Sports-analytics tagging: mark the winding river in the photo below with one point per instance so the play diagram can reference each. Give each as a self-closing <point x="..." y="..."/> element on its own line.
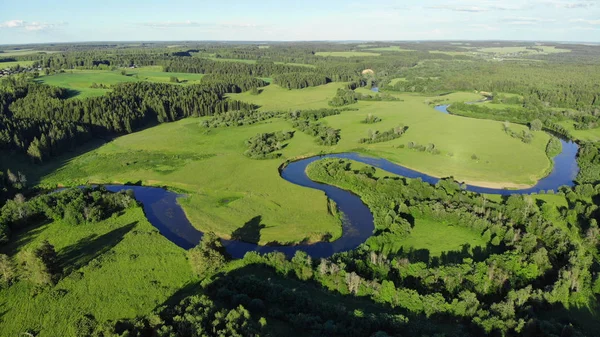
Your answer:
<point x="164" y="213"/>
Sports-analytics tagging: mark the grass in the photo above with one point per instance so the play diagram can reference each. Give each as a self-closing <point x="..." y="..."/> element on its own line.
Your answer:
<point x="118" y="268"/>
<point x="591" y="135"/>
<point x="345" y="54"/>
<point x="4" y="65"/>
<point x="393" y="81"/>
<point x="438" y="237"/>
<point x="79" y="81"/>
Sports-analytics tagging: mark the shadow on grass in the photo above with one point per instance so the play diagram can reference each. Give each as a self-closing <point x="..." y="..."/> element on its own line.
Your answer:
<point x="87" y="249"/>
<point x="23" y="236"/>
<point x="250" y="232"/>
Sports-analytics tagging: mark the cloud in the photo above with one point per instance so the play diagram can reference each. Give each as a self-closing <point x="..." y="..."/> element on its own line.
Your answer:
<point x="481" y="26"/>
<point x="569" y="4"/>
<point x="470" y="9"/>
<point x="30" y="26"/>
<point x="591" y="22"/>
<point x="523" y="20"/>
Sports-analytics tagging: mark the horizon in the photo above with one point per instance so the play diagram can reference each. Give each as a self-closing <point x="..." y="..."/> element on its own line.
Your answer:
<point x="382" y="20"/>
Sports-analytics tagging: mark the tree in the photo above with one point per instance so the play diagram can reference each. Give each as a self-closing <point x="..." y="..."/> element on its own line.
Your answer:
<point x="41" y="265"/>
<point x="7" y="270"/>
<point x="536" y="125"/>
<point x="207" y="257"/>
<point x="173" y="79"/>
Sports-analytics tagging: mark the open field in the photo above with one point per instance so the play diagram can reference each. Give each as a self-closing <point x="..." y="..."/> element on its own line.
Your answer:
<point x="591" y="135"/>
<point x="114" y="269"/>
<point x="438" y="237"/>
<point x="80" y="80"/>
<point x="345" y="53"/>
<point x="223" y="202"/>
<point x="4" y="65"/>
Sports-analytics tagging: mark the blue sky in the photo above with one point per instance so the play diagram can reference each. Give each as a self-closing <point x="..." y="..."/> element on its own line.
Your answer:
<point x="69" y="20"/>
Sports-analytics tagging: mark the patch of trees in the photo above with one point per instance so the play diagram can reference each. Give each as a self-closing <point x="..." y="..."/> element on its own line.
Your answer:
<point x="37" y="120"/>
<point x="525" y="136"/>
<point x="238" y="118"/>
<point x="554" y="147"/>
<point x="430" y="148"/>
<point x="346" y="96"/>
<point x="324" y="134"/>
<point x="377" y="136"/>
<point x="531" y="262"/>
<point x="371" y="119"/>
<point x="265" y="145"/>
<point x="206" y="66"/>
<point x="588" y="159"/>
<point x="300" y="80"/>
<point x="73" y="206"/>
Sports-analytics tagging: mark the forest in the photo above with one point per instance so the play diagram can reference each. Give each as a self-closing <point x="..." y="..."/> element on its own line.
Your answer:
<point x="158" y="189"/>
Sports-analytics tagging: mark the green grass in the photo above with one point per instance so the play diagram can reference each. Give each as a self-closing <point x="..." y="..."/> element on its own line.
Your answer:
<point x="118" y="268"/>
<point x="210" y="166"/>
<point x="80" y="80"/>
<point x="345" y="53"/>
<point x="393" y="81"/>
<point x="438" y="237"/>
<point x="4" y="65"/>
<point x="297" y="64"/>
<point x="590" y="135"/>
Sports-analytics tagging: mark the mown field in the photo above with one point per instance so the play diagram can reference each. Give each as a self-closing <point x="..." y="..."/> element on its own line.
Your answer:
<point x="80" y="81"/>
<point x="226" y="189"/>
<point x="118" y="268"/>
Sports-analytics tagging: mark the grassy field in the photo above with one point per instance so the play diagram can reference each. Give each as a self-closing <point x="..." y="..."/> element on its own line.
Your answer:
<point x="119" y="268"/>
<point x="438" y="237"/>
<point x="591" y="135"/>
<point x="185" y="155"/>
<point x="345" y="53"/>
<point x="79" y="81"/>
<point x="4" y="65"/>
<point x="393" y="81"/>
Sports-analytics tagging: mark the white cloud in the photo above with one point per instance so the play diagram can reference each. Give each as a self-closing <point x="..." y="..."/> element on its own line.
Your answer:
<point x="30" y="26"/>
<point x="524" y="20"/>
<point x="574" y="4"/>
<point x="591" y="22"/>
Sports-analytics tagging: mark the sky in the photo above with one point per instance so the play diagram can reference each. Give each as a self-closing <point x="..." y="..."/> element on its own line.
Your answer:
<point x="40" y="21"/>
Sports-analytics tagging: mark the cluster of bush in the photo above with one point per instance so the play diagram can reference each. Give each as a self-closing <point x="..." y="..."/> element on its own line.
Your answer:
<point x="371" y="119"/>
<point x="525" y="136"/>
<point x="238" y="118"/>
<point x="264" y="145"/>
<point x="430" y="148"/>
<point x="324" y="134"/>
<point x="377" y="136"/>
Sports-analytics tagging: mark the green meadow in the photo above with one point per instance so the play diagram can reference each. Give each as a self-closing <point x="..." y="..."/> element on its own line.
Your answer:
<point x="390" y="48"/>
<point x="4" y="65"/>
<point x="80" y="81"/>
<point x="186" y="156"/>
